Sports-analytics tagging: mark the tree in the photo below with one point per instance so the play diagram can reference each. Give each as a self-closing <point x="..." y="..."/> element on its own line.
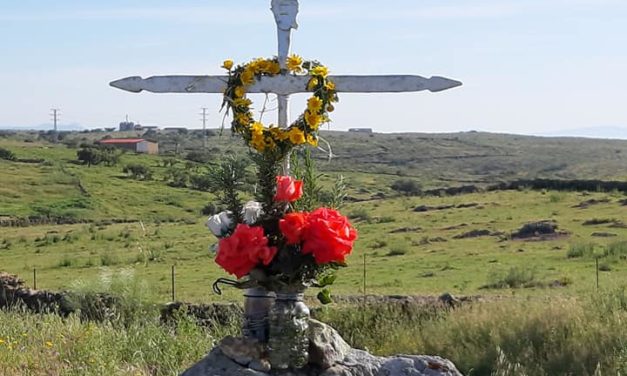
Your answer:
<point x="96" y="154"/>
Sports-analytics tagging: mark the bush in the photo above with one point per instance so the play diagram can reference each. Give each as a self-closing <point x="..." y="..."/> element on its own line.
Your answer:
<point x="7" y="154"/>
<point x="407" y="186"/>
<point x="138" y="171"/>
<point x="199" y="156"/>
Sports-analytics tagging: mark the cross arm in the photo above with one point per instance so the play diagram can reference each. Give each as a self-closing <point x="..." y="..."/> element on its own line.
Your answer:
<point x="285" y="84"/>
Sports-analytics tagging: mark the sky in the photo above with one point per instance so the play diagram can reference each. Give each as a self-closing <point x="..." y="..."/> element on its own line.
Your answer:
<point x="528" y="66"/>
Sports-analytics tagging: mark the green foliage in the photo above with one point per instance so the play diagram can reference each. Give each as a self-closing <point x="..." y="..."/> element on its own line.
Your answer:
<point x="7" y="154"/>
<point x="514" y="277"/>
<point x="176" y="177"/>
<point x="580" y="250"/>
<point x="407" y="187"/>
<point x="138" y="171"/>
<point x="97" y="154"/>
<point x="226" y="180"/>
<point x="199" y="156"/>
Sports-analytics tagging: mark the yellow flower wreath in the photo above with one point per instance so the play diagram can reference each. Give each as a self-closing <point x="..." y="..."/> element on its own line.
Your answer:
<point x="274" y="139"/>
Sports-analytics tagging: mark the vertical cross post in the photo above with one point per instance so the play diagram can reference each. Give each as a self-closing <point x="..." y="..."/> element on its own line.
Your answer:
<point x="285" y="12"/>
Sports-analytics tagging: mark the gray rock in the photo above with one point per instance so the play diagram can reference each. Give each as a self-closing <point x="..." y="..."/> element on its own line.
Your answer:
<point x="356" y="363"/>
<point x="261" y="365"/>
<point x="326" y="346"/>
<point x="241" y="350"/>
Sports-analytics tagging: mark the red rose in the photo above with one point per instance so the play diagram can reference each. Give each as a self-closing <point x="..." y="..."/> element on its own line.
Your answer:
<point x="288" y="189"/>
<point x="246" y="248"/>
<point x="292" y="226"/>
<point x="328" y="235"/>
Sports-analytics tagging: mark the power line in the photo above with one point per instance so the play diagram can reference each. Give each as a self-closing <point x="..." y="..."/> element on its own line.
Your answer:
<point x="204" y="127"/>
<point x="55" y="117"/>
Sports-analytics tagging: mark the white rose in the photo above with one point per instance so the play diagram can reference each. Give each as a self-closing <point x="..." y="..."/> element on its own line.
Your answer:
<point x="220" y="223"/>
<point x="251" y="212"/>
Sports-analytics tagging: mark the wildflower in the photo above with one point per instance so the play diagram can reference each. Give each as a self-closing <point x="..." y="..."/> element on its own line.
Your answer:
<point x="248" y="76"/>
<point x="314" y="104"/>
<point x="239" y="92"/>
<point x="312" y="83"/>
<point x="48" y="344"/>
<point x="297" y="136"/>
<point x="320" y="70"/>
<point x="329" y="85"/>
<point x="228" y="64"/>
<point x="312" y="119"/>
<point x="294" y="63"/>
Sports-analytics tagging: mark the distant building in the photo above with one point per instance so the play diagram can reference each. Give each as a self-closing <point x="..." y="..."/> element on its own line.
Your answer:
<point x="148" y="128"/>
<point x="127" y="126"/>
<point x="136" y="145"/>
<point x="361" y="130"/>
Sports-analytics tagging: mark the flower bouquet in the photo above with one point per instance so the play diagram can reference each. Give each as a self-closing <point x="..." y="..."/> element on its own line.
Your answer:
<point x="284" y="241"/>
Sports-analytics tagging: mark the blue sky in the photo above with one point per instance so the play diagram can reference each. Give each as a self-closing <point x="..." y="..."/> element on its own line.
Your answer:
<point x="528" y="66"/>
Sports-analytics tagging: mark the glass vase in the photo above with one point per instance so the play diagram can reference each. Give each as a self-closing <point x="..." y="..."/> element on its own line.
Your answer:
<point x="257" y="305"/>
<point x="288" y="344"/>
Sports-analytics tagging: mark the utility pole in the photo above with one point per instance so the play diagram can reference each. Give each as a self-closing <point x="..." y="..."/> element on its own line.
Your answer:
<point x="55" y="117"/>
<point x="204" y="127"/>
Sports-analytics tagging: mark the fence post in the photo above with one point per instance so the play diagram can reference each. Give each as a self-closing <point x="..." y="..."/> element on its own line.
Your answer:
<point x="596" y="259"/>
<point x="34" y="278"/>
<point x="173" y="295"/>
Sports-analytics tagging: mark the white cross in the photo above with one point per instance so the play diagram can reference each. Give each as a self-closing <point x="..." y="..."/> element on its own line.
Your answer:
<point x="285" y="12"/>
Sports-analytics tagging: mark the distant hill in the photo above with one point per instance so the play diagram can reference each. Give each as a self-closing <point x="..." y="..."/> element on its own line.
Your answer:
<point x="592" y="132"/>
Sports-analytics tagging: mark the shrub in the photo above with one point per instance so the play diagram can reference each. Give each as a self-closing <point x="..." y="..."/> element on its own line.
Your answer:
<point x="7" y="154"/>
<point x="360" y="214"/>
<point x="407" y="186"/>
<point x="138" y="171"/>
<point x="397" y="252"/>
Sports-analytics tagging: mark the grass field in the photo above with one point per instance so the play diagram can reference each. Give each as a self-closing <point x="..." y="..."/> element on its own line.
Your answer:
<point x="547" y="316"/>
<point x="406" y="252"/>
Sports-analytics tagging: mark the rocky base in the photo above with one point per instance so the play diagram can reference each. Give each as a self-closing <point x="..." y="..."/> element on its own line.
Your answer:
<point x="355" y="363"/>
<point x="329" y="355"/>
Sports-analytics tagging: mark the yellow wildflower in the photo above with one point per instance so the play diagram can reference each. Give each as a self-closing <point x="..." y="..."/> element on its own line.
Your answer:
<point x="242" y="118"/>
<point x="256" y="128"/>
<point x="270" y="144"/>
<point x="273" y="67"/>
<point x="242" y="102"/>
<point x="239" y="91"/>
<point x="48" y="344"/>
<point x="330" y="85"/>
<point x="297" y="136"/>
<point x="258" y="141"/>
<point x="320" y="70"/>
<point x="330" y="108"/>
<point x="228" y="64"/>
<point x="312" y="83"/>
<point x="311" y="140"/>
<point x="314" y="104"/>
<point x="294" y="63"/>
<point x="312" y="119"/>
<point x="1" y="341"/>
<point x="247" y="76"/>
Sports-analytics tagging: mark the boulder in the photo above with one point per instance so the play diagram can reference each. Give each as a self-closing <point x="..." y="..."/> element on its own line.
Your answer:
<point x="355" y="363"/>
<point x="326" y="346"/>
<point x="329" y="355"/>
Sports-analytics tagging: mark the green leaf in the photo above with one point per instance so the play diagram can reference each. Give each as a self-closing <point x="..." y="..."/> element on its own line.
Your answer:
<point x="324" y="296"/>
<point x="327" y="280"/>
